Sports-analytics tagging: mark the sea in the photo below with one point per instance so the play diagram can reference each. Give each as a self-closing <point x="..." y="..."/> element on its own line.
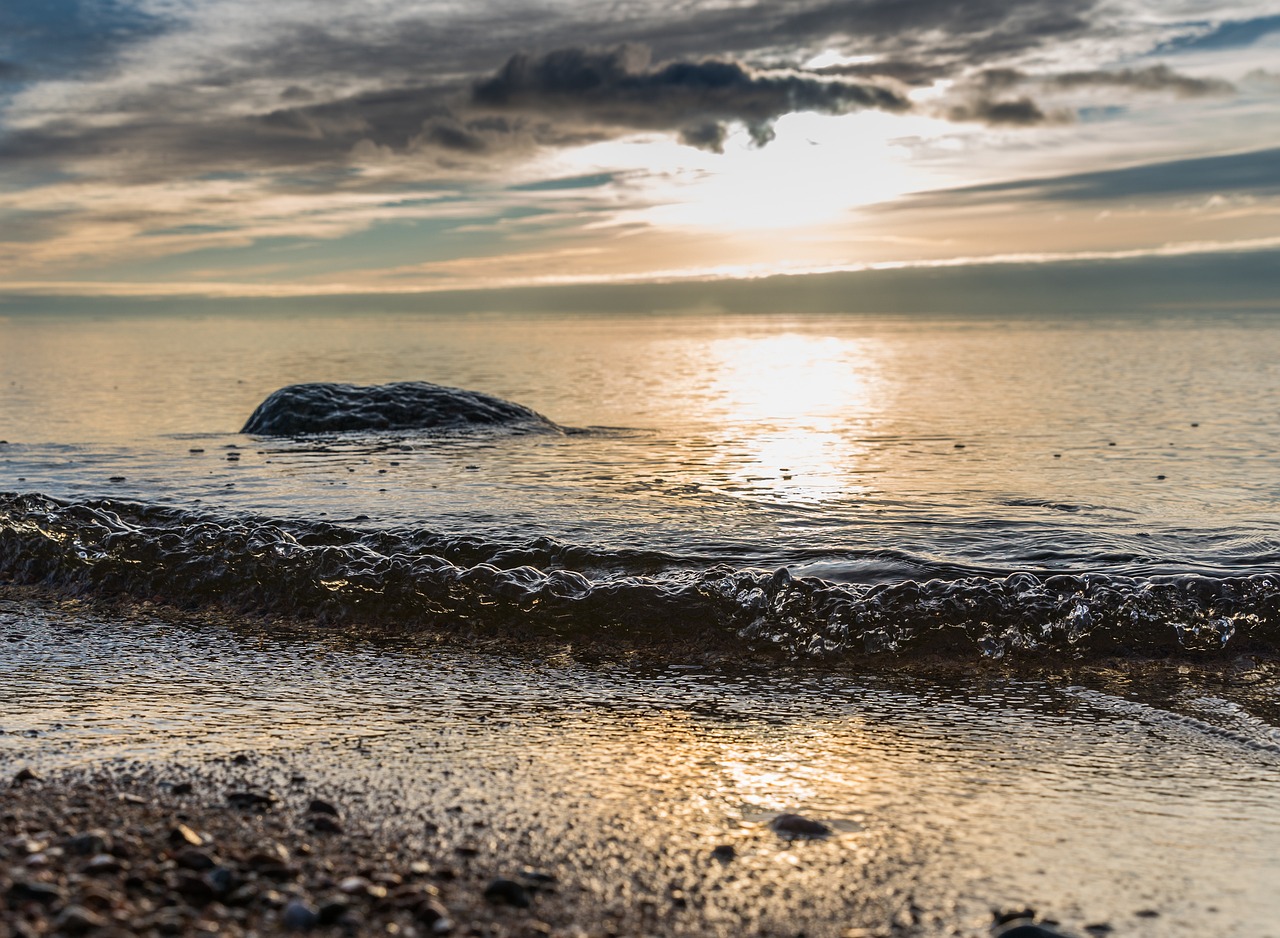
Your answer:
<point x="994" y="597"/>
<point x="824" y="487"/>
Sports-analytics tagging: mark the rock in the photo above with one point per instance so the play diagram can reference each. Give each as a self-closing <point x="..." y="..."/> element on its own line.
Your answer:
<point x="38" y="892"/>
<point x="324" y="824"/>
<point x="1025" y="929"/>
<point x="795" y="825"/>
<point x="221" y="880"/>
<point x="104" y="864"/>
<point x="76" y="920"/>
<point x="24" y="776"/>
<point x="86" y="844"/>
<point x="198" y="860"/>
<point x="299" y="916"/>
<point x="320" y="806"/>
<point x="406" y="405"/>
<point x="332" y="911"/>
<point x="507" y="892"/>
<point x="182" y="788"/>
<point x="185" y="835"/>
<point x="251" y="800"/>
<point x="724" y="852"/>
<point x="431" y="913"/>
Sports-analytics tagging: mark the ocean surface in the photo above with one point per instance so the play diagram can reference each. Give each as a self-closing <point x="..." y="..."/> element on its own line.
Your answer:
<point x="869" y="487"/>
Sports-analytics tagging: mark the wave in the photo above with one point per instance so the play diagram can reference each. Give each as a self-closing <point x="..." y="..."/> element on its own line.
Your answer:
<point x="404" y="405"/>
<point x="331" y="574"/>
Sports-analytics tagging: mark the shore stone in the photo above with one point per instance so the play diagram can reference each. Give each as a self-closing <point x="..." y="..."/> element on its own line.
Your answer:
<point x="507" y="892"/>
<point x="795" y="825"/>
<point x="299" y="916"/>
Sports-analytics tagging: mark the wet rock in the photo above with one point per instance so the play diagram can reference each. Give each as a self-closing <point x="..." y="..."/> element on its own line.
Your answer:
<point x="299" y="916"/>
<point x="507" y="892"/>
<point x="795" y="825"/>
<point x="76" y="920"/>
<point x="406" y="405"/>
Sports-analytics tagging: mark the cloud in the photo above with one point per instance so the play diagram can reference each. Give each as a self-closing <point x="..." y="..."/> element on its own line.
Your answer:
<point x="1256" y="172"/>
<point x="1016" y="112"/>
<point x="1154" y="78"/>
<point x="619" y="88"/>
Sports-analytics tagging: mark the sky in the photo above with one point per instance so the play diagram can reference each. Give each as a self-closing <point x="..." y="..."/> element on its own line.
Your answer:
<point x="236" y="148"/>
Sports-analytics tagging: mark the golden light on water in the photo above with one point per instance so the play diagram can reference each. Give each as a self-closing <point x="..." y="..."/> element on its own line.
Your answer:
<point x="796" y="405"/>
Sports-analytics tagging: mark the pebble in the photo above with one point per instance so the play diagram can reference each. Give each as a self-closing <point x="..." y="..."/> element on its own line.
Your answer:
<point x="76" y="920"/>
<point x="299" y="916"/>
<point x="507" y="892"/>
<point x="324" y="824"/>
<point x="103" y="864"/>
<point x="252" y="800"/>
<point x="1023" y="929"/>
<point x="24" y="776"/>
<point x="320" y="806"/>
<point x="193" y="859"/>
<point x="185" y="835"/>
<point x="87" y="844"/>
<point x="724" y="852"/>
<point x="795" y="825"/>
<point x="43" y="893"/>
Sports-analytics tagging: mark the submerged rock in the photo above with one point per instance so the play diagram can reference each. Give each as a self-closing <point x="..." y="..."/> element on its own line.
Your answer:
<point x="404" y="405"/>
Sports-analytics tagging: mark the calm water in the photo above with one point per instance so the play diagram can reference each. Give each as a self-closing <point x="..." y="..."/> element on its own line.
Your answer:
<point x="854" y="453"/>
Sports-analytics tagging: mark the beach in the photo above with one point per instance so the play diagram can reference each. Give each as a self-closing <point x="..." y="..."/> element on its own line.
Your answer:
<point x="365" y="784"/>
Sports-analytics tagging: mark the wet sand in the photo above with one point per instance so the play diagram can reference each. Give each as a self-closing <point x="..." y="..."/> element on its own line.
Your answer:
<point x="616" y="795"/>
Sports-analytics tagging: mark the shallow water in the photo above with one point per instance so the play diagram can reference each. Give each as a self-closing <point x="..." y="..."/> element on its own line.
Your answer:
<point x="1090" y="804"/>
<point x="853" y="452"/>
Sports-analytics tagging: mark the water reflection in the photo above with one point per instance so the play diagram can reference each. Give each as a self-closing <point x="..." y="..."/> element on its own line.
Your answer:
<point x="797" y="408"/>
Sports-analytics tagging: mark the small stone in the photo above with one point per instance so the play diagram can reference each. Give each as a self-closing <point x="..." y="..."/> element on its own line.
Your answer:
<point x="87" y="844"/>
<point x="354" y="886"/>
<point x="1015" y="915"/>
<point x="221" y="880"/>
<point x="24" y="776"/>
<point x="76" y="920"/>
<point x="182" y="788"/>
<point x="724" y="852"/>
<point x="42" y="893"/>
<point x="251" y="800"/>
<point x="430" y="912"/>
<point x="299" y="916"/>
<point x="324" y="824"/>
<point x="331" y="912"/>
<point x="795" y="825"/>
<point x="1147" y="913"/>
<point x="104" y="864"/>
<point x="320" y="806"/>
<point x="507" y="892"/>
<point x="129" y="798"/>
<point x="1025" y="929"/>
<point x="185" y="835"/>
<point x="198" y="860"/>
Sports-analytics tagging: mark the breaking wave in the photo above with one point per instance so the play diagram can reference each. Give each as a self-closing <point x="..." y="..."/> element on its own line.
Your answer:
<point x="405" y="578"/>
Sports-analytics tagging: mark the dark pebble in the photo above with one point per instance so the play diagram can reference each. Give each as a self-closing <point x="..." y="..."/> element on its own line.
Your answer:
<point x="193" y="859"/>
<point x="320" y="806"/>
<point x="959" y="446"/>
<point x="43" y="893"/>
<point x="794" y="825"/>
<point x="86" y="845"/>
<point x="182" y="788"/>
<point x="507" y="892"/>
<point x="324" y="824"/>
<point x="1029" y="930"/>
<point x="24" y="776"/>
<point x="1099" y="928"/>
<point x="1147" y="913"/>
<point x="299" y="916"/>
<point x="221" y="880"/>
<point x="1159" y="477"/>
<point x="116" y="479"/>
<point x="195" y="449"/>
<point x="1015" y="915"/>
<point x="724" y="852"/>
<point x="253" y="800"/>
<point x="537" y="877"/>
<point x="432" y="914"/>
<point x="76" y="920"/>
<point x="332" y="911"/>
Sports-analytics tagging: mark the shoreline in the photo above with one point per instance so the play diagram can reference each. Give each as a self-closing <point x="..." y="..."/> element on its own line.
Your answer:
<point x="642" y="792"/>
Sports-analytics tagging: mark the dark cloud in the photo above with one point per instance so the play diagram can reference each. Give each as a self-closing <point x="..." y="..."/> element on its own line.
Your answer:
<point x="618" y="87"/>
<point x="1015" y="112"/>
<point x="1153" y="78"/>
<point x="1256" y="172"/>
